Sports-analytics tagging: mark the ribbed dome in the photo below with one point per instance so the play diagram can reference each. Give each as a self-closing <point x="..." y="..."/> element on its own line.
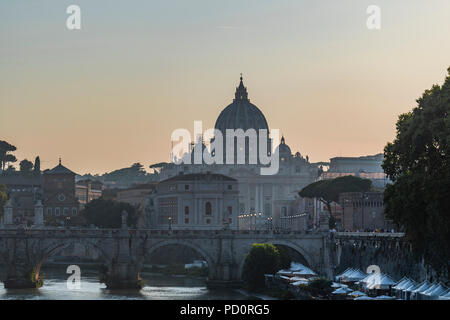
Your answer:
<point x="284" y="148"/>
<point x="241" y="114"/>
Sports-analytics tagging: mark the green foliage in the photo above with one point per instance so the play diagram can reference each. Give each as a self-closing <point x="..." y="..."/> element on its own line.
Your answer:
<point x="263" y="258"/>
<point x="319" y="287"/>
<point x="37" y="165"/>
<point x="418" y="163"/>
<point x="285" y="257"/>
<point x="26" y="167"/>
<point x="37" y="278"/>
<point x="135" y="173"/>
<point x="5" y="155"/>
<point x="108" y="213"/>
<point x="328" y="190"/>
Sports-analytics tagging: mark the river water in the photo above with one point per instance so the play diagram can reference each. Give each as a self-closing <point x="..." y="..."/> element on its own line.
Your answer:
<point x="158" y="287"/>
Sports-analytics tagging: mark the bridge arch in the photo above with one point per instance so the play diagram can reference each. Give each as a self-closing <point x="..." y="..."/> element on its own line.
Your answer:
<point x="61" y="245"/>
<point x="307" y="257"/>
<point x="191" y="244"/>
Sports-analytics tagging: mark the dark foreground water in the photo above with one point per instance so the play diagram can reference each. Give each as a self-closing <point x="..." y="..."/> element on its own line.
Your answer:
<point x="158" y="287"/>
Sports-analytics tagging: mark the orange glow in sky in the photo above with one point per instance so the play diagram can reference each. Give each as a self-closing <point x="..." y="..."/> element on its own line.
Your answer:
<point x="110" y="94"/>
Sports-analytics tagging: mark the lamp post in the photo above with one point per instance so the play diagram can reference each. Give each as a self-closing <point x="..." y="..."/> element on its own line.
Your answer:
<point x="170" y="223"/>
<point x="364" y="197"/>
<point x="269" y="223"/>
<point x="259" y="219"/>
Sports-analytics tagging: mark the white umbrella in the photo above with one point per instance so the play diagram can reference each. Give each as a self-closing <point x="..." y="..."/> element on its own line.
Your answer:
<point x="382" y="281"/>
<point x="304" y="272"/>
<point x="340" y="291"/>
<point x="440" y="289"/>
<point x="345" y="273"/>
<point x="364" y="298"/>
<point x="355" y="275"/>
<point x="297" y="283"/>
<point x="384" y="298"/>
<point x="422" y="287"/>
<point x="357" y="293"/>
<point x="284" y="272"/>
<point x="447" y="295"/>
<point x="294" y="279"/>
<point x="338" y="285"/>
<point x="430" y="289"/>
<point x="401" y="284"/>
<point x="346" y="288"/>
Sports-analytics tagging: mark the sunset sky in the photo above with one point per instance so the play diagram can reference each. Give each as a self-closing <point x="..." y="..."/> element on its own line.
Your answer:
<point x="110" y="94"/>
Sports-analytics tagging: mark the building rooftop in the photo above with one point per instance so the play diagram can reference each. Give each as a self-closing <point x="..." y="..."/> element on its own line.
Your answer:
<point x="200" y="176"/>
<point x="59" y="169"/>
<point x="376" y="157"/>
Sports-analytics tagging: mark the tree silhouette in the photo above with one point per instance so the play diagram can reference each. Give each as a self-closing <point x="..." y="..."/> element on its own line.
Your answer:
<point x="327" y="191"/>
<point x="26" y="166"/>
<point x="5" y="155"/>
<point x="418" y="163"/>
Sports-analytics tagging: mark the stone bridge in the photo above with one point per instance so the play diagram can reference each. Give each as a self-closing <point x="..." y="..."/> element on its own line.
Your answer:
<point x="123" y="251"/>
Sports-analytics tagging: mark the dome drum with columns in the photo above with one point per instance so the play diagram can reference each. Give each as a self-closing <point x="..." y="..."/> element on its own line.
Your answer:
<point x="241" y="114"/>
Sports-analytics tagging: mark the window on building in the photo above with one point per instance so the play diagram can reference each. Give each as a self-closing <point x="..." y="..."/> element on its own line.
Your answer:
<point x="57" y="211"/>
<point x="208" y="209"/>
<point x="66" y="211"/>
<point x="186" y="210"/>
<point x="186" y="187"/>
<point x="230" y="210"/>
<point x="208" y="221"/>
<point x="268" y="209"/>
<point x="74" y="211"/>
<point x="186" y="220"/>
<point x="49" y="211"/>
<point x="167" y="207"/>
<point x="230" y="187"/>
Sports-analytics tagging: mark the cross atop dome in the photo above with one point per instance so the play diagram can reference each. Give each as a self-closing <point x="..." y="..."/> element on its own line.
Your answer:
<point x="241" y="92"/>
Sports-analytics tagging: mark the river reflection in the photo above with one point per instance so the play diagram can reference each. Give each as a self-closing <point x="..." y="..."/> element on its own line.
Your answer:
<point x="158" y="287"/>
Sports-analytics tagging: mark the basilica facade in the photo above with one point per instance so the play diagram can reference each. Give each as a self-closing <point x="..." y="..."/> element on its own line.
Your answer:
<point x="266" y="197"/>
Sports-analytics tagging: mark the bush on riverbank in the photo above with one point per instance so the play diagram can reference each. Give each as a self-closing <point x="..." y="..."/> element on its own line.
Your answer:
<point x="263" y="258"/>
<point x="319" y="287"/>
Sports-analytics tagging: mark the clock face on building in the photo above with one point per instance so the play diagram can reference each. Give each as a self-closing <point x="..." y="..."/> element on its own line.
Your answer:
<point x="61" y="197"/>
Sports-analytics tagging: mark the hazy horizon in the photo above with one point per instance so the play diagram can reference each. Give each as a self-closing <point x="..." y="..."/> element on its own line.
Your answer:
<point x="110" y="94"/>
